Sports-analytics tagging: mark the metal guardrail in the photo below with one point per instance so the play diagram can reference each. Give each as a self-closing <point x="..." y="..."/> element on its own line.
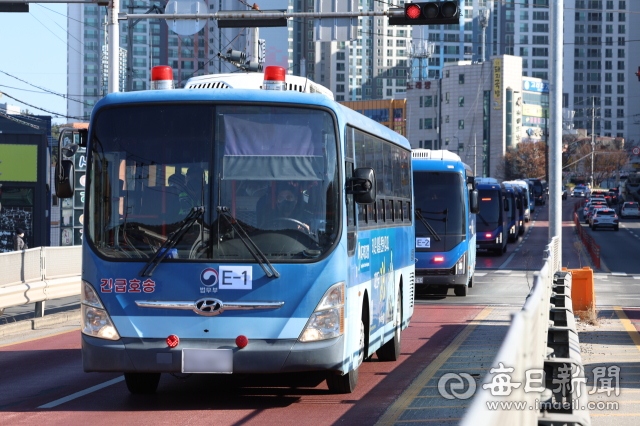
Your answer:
<point x="39" y="274"/>
<point x="541" y="338"/>
<point x="589" y="242"/>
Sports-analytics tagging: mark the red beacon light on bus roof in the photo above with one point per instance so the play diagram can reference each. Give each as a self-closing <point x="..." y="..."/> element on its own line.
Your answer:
<point x="162" y="78"/>
<point x="274" y="78"/>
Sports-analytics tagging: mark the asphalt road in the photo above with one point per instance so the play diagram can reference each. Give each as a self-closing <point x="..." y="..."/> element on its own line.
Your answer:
<point x="619" y="250"/>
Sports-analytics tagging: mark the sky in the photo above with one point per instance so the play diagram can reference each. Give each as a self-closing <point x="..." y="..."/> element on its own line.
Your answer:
<point x="37" y="53"/>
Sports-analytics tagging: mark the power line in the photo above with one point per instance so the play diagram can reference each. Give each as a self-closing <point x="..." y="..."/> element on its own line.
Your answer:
<point x="42" y="109"/>
<point x="44" y="89"/>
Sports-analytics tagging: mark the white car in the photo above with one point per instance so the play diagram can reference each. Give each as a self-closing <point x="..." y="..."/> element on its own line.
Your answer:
<point x="579" y="191"/>
<point x="630" y="209"/>
<point x="604" y="218"/>
<point x="591" y="209"/>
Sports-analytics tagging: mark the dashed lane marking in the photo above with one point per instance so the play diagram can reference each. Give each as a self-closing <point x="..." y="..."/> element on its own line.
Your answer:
<point x="482" y="274"/>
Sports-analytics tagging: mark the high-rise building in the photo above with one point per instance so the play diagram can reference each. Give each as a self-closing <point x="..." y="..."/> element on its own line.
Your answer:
<point x="372" y="67"/>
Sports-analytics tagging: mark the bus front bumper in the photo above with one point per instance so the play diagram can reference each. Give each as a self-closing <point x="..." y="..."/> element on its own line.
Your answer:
<point x="259" y="356"/>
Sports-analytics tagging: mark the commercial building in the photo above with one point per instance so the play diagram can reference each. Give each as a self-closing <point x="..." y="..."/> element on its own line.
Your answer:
<point x="599" y="40"/>
<point x="390" y="112"/>
<point x="475" y="110"/>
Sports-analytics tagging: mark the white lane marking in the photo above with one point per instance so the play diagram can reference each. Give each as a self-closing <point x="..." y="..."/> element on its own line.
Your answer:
<point x="503" y="271"/>
<point x="636" y="277"/>
<point x="619" y="274"/>
<point x="600" y="276"/>
<point x="518" y="275"/>
<point x="482" y="274"/>
<point x="82" y="393"/>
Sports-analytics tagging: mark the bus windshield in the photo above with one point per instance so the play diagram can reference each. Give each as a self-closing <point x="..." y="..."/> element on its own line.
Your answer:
<point x="489" y="217"/>
<point x="440" y="198"/>
<point x="265" y="175"/>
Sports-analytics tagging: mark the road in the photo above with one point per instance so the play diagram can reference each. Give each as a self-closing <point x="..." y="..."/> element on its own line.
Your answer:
<point x="43" y="380"/>
<point x="619" y="250"/>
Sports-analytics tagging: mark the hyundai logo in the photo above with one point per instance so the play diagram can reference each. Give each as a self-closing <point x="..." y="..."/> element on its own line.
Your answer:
<point x="208" y="307"/>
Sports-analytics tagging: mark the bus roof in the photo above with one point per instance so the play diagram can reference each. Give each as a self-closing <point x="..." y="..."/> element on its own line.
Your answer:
<point x="438" y="160"/>
<point x="345" y="116"/>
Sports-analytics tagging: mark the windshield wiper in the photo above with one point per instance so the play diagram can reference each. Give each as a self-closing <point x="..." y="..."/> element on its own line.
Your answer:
<point x="483" y="219"/>
<point x="171" y="241"/>
<point x="426" y="224"/>
<point x="257" y="254"/>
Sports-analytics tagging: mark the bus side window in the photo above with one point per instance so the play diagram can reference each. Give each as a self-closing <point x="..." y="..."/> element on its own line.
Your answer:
<point x="352" y="237"/>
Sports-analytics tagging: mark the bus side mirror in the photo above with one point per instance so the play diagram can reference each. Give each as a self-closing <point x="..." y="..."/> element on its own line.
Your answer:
<point x="474" y="202"/>
<point x="506" y="205"/>
<point x="471" y="181"/>
<point x="363" y="185"/>
<point x="65" y="170"/>
<point x="65" y="179"/>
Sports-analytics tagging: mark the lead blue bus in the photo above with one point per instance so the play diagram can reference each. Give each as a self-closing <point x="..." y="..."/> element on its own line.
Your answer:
<point x="445" y="205"/>
<point x="242" y="231"/>
<point x="492" y="220"/>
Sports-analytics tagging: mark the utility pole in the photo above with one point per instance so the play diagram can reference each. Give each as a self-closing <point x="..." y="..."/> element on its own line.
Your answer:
<point x="555" y="136"/>
<point x="483" y="20"/>
<point x="593" y="136"/>
<point x="114" y="46"/>
<point x="254" y="38"/>
<point x="475" y="156"/>
<point x="546" y="145"/>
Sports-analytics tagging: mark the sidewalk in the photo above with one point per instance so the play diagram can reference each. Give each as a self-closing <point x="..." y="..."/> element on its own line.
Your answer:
<point x="615" y="342"/>
<point x="473" y="352"/>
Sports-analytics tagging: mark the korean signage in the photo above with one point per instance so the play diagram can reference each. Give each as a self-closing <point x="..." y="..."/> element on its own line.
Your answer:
<point x="532" y="110"/>
<point x="419" y="85"/>
<point x="72" y="209"/>
<point x="497" y="83"/>
<point x="529" y="85"/>
<point x="533" y="121"/>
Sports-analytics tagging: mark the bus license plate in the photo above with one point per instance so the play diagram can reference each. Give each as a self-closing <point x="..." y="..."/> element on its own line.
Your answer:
<point x="218" y="361"/>
<point x="418" y="280"/>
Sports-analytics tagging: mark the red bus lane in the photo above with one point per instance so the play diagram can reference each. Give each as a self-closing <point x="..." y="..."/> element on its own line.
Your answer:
<point x="39" y="372"/>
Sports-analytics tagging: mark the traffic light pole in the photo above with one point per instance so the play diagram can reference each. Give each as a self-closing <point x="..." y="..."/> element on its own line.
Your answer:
<point x="271" y="14"/>
<point x="555" y="118"/>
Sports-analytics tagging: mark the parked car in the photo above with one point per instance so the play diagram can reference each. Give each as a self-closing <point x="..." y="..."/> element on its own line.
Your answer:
<point x="591" y="209"/>
<point x="579" y="191"/>
<point x="630" y="209"/>
<point x="604" y="218"/>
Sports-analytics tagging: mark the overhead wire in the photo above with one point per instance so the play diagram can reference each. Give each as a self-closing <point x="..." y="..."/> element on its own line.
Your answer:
<point x="42" y="109"/>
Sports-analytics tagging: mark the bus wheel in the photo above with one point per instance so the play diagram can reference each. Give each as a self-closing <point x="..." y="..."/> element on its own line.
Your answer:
<point x="142" y="383"/>
<point x="460" y="290"/>
<point x="347" y="383"/>
<point x="390" y="351"/>
<point x="471" y="282"/>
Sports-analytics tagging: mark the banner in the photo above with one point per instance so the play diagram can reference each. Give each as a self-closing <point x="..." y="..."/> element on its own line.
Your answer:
<point x="532" y="110"/>
<point x="497" y="83"/>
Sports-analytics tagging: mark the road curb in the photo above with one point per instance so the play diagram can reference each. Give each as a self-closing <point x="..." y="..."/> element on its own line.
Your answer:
<point x="38" y="323"/>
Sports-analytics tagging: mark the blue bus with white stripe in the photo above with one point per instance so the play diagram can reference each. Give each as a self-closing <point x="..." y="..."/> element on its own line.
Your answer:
<point x="493" y="217"/>
<point x="242" y="231"/>
<point x="513" y="215"/>
<point x="527" y="201"/>
<point x="446" y="201"/>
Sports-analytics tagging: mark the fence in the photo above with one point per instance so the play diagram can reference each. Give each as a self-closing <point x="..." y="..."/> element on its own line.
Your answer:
<point x="589" y="243"/>
<point x="540" y="344"/>
<point x="39" y="274"/>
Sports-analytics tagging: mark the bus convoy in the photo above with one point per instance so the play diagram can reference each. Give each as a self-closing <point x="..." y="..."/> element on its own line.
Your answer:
<point x="279" y="232"/>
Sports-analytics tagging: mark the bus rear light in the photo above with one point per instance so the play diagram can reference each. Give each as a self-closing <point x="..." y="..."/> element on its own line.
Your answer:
<point x="274" y="78"/>
<point x="242" y="341"/>
<point x="172" y="341"/>
<point x="438" y="259"/>
<point x="162" y="78"/>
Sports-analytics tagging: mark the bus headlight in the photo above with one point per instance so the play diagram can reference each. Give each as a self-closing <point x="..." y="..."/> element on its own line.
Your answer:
<point x="460" y="265"/>
<point x="95" y="319"/>
<point x="327" y="320"/>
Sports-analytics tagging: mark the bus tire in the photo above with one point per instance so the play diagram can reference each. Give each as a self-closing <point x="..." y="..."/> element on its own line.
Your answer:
<point x="460" y="290"/>
<point x="390" y="351"/>
<point x="470" y="282"/>
<point x="142" y="383"/>
<point x="504" y="249"/>
<point x="347" y="383"/>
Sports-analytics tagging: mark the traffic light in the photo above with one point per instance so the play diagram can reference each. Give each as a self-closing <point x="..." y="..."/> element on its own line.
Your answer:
<point x="429" y="13"/>
<point x="14" y="7"/>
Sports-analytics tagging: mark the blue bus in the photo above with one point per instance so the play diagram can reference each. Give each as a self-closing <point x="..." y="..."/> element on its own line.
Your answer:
<point x="445" y="205"/>
<point x="493" y="218"/>
<point x="539" y="194"/>
<point x="242" y="231"/>
<point x="513" y="215"/>
<point x="527" y="201"/>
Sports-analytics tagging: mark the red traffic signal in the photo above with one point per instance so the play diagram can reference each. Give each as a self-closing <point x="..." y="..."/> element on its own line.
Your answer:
<point x="429" y="13"/>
